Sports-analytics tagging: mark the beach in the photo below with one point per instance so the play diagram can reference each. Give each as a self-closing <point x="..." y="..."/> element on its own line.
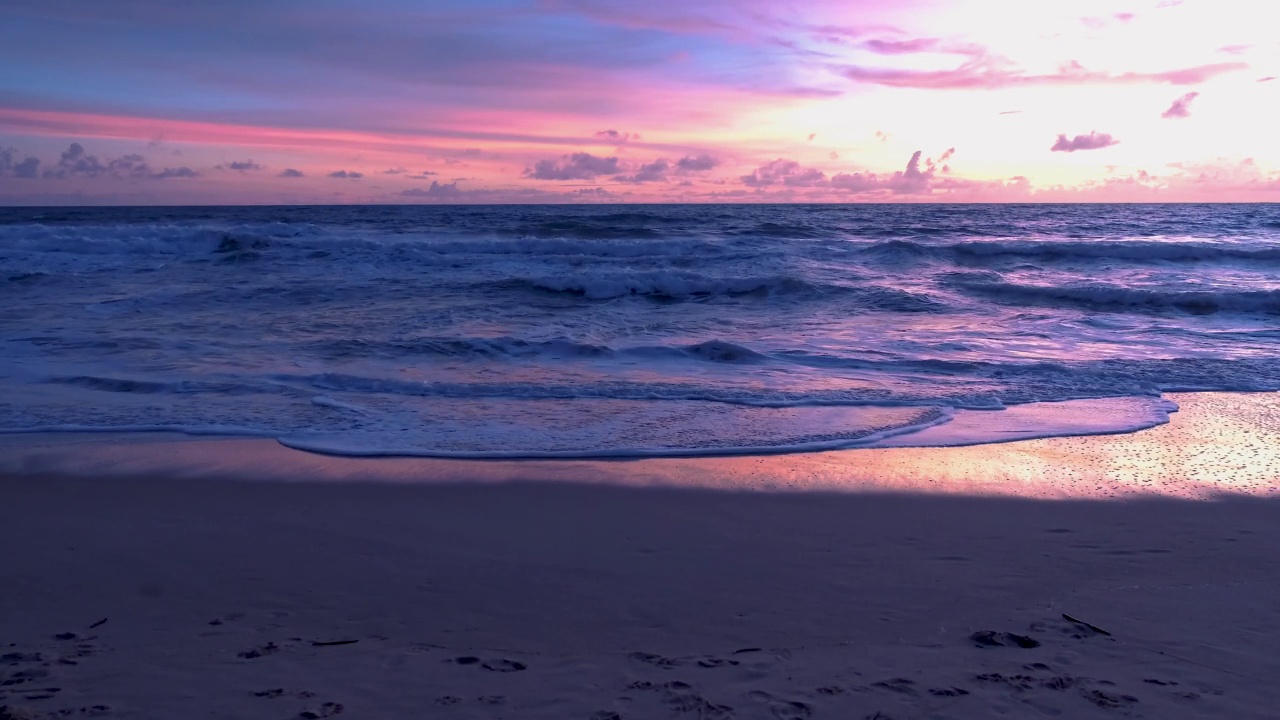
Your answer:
<point x="1113" y="576"/>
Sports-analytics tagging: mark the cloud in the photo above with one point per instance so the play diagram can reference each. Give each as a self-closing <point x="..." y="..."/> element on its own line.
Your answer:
<point x="346" y="174"/>
<point x="1269" y="78"/>
<point x="578" y="166"/>
<point x="989" y="73"/>
<point x="76" y="162"/>
<point x="437" y="190"/>
<point x="785" y="172"/>
<point x="424" y="175"/>
<point x="240" y="166"/>
<point x="655" y="171"/>
<point x="393" y="171"/>
<point x="180" y="172"/>
<point x="620" y="137"/>
<point x="9" y="165"/>
<point x="1092" y="141"/>
<point x="901" y="47"/>
<point x="910" y="181"/>
<point x="1181" y="107"/>
<point x="291" y="173"/>
<point x="696" y="163"/>
<point x="1233" y="49"/>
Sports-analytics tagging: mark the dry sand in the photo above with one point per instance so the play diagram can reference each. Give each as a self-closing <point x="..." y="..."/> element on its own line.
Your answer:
<point x="654" y="591"/>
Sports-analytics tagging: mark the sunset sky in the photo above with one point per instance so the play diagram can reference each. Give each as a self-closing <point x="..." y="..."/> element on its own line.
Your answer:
<point x="411" y="101"/>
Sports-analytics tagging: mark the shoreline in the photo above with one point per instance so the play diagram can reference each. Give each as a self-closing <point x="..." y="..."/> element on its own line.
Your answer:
<point x="1215" y="443"/>
<point x="169" y="578"/>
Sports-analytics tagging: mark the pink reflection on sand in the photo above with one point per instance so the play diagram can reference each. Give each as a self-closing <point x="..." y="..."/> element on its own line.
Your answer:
<point x="1219" y="443"/>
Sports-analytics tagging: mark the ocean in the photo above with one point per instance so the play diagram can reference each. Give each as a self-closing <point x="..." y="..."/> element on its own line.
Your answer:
<point x="631" y="331"/>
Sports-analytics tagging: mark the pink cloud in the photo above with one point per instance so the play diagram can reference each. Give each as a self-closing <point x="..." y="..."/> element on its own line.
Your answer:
<point x="911" y="181"/>
<point x="1092" y="141"/>
<point x="902" y="47"/>
<point x="784" y="172"/>
<point x="990" y="73"/>
<point x="1181" y="107"/>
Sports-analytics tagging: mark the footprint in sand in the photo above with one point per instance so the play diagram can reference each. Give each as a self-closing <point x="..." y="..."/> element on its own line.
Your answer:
<point x="992" y="638"/>
<point x="1108" y="700"/>
<point x="898" y="685"/>
<point x="781" y="708"/>
<point x="258" y="652"/>
<point x="504" y="666"/>
<point x="328" y="709"/>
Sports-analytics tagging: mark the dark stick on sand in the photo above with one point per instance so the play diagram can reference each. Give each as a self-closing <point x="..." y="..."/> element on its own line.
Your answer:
<point x="100" y="622"/>
<point x="324" y="643"/>
<point x="1094" y="628"/>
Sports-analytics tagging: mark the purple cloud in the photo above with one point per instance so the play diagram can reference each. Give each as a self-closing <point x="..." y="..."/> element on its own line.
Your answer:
<point x="437" y="190"/>
<point x="578" y="166"/>
<point x="1181" y="107"/>
<point x="696" y="163"/>
<point x="616" y="136"/>
<point x="1092" y="141"/>
<point x="655" y="171"/>
<point x="345" y="174"/>
<point x="291" y="173"/>
<point x="786" y="172"/>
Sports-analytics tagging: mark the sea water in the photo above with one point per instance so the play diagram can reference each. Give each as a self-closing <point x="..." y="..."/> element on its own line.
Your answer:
<point x="598" y="331"/>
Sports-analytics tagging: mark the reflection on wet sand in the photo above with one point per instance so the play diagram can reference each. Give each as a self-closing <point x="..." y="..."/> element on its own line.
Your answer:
<point x="1217" y="443"/>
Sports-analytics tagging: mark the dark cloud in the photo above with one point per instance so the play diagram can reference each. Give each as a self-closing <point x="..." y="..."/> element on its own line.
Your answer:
<point x="290" y="173"/>
<point x="1092" y="141"/>
<point x="393" y="171"/>
<point x="784" y="172"/>
<point x="346" y="174"/>
<point x="578" y="166"/>
<point x="241" y="166"/>
<point x="1181" y="107"/>
<point x="11" y="166"/>
<point x="76" y="162"/>
<point x="424" y="175"/>
<point x="179" y="172"/>
<point x="696" y="163"/>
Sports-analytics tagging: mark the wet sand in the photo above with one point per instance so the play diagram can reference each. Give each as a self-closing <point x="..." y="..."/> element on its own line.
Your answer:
<point x="1121" y="576"/>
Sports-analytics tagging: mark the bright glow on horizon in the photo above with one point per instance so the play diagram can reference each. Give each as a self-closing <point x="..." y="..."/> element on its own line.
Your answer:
<point x="285" y="101"/>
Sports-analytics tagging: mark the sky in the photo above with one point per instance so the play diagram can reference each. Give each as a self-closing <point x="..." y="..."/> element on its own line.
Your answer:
<point x="545" y="101"/>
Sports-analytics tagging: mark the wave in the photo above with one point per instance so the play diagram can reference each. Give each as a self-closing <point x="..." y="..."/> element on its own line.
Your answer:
<point x="666" y="284"/>
<point x="1050" y="251"/>
<point x="1115" y="298"/>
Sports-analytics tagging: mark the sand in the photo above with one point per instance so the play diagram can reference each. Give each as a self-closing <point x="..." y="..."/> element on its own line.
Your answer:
<point x="864" y="584"/>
